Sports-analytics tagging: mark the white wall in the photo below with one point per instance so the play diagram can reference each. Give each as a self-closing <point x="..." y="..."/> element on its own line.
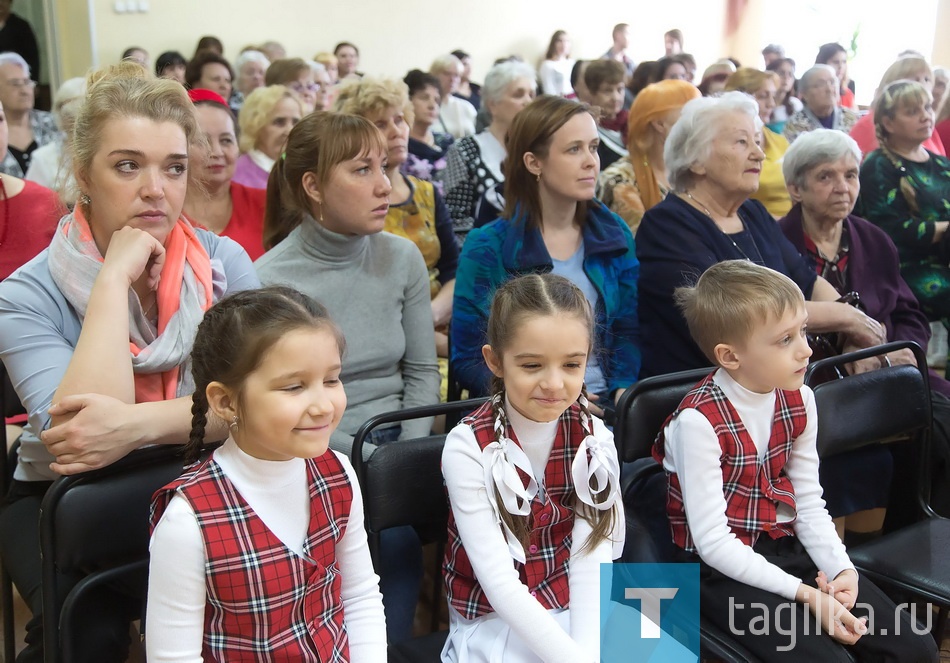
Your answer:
<point x="394" y="37"/>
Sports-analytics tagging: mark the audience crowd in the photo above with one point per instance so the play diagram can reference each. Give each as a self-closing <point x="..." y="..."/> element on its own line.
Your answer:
<point x="403" y="204"/>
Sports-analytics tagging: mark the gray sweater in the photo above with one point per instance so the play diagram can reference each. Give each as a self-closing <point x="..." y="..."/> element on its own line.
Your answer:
<point x="376" y="288"/>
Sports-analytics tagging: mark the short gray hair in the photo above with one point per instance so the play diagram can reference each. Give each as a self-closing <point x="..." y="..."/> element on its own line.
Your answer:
<point x="816" y="148"/>
<point x="250" y="56"/>
<point x="691" y="138"/>
<point x="502" y="75"/>
<point x="10" y="57"/>
<point x="805" y="81"/>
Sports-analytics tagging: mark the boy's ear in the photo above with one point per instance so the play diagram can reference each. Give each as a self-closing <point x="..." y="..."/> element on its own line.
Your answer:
<point x="221" y="401"/>
<point x="493" y="361"/>
<point x="725" y="355"/>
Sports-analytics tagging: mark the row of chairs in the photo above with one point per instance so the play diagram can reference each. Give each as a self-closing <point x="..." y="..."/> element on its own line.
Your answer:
<point x="95" y="524"/>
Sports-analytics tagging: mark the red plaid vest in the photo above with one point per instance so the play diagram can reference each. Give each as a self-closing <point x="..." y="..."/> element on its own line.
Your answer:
<point x="751" y="488"/>
<point x="265" y="603"/>
<point x="548" y="552"/>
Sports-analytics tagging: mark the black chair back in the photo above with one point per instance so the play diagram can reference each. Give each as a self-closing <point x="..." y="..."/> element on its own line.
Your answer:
<point x="401" y="481"/>
<point x="645" y="406"/>
<point x="92" y="525"/>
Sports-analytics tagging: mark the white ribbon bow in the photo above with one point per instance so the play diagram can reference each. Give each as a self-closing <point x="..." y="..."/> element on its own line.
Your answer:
<point x="603" y="471"/>
<point x="502" y="459"/>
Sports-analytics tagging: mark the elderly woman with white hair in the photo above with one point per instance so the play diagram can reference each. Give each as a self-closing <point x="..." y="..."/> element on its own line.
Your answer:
<point x="713" y="163"/>
<point x="855" y="256"/>
<point x="51" y="165"/>
<point x="28" y="128"/>
<point x="473" y="164"/>
<point x="456" y="115"/>
<point x="818" y="90"/>
<point x="249" y="68"/>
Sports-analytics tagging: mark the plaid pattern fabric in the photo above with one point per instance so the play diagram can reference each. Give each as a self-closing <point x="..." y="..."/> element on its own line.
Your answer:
<point x="266" y="603"/>
<point x="552" y="522"/>
<point x="752" y="489"/>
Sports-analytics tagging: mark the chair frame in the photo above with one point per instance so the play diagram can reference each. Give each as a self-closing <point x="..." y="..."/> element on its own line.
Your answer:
<point x="60" y="602"/>
<point x="7" y="465"/>
<point x="449" y="409"/>
<point x="922" y="433"/>
<point x="713" y="642"/>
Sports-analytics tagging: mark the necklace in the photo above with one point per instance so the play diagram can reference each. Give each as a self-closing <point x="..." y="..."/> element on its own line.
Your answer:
<point x="738" y="248"/>
<point x="6" y="212"/>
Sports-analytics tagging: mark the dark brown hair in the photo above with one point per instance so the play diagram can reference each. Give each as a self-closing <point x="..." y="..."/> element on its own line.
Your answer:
<point x="317" y="144"/>
<point x="209" y="43"/>
<point x="535" y="295"/>
<point x="197" y="63"/>
<point x="603" y="72"/>
<point x="236" y="334"/>
<point x="532" y="131"/>
<point x="285" y="71"/>
<point x="552" y="45"/>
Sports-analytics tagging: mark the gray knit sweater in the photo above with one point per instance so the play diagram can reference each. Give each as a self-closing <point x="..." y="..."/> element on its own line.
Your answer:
<point x="376" y="288"/>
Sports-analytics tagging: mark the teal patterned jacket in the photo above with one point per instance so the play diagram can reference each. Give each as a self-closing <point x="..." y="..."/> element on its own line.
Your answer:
<point x="504" y="249"/>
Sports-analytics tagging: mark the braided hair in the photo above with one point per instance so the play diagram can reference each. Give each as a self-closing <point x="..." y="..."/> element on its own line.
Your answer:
<point x="527" y="296"/>
<point x="233" y="338"/>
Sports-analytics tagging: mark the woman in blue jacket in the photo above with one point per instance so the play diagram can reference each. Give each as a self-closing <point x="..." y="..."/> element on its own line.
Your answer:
<point x="552" y="223"/>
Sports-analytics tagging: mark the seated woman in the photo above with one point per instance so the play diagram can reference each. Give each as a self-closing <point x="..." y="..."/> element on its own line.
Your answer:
<point x="295" y="74"/>
<point x="786" y="103"/>
<point x="214" y="201"/>
<point x="250" y="68"/>
<point x="553" y="223"/>
<point x="456" y="116"/>
<point x="416" y="210"/>
<point x="555" y="71"/>
<point x="474" y="163"/>
<point x="51" y="165"/>
<point x="635" y="183"/>
<point x="427" y="148"/>
<point x="910" y="68"/>
<point x="348" y="60"/>
<point x="28" y="128"/>
<point x="905" y="191"/>
<point x="330" y="192"/>
<point x="96" y="331"/>
<point x="468" y="89"/>
<point x="171" y="64"/>
<point x="836" y="57"/>
<point x="715" y="76"/>
<point x="853" y="255"/>
<point x="713" y="163"/>
<point x="267" y="117"/>
<point x="210" y="71"/>
<point x="818" y="90"/>
<point x="761" y="86"/>
<point x="29" y="216"/>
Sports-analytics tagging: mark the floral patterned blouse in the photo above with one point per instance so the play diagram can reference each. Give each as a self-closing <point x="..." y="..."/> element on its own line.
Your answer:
<point x="427" y="162"/>
<point x="617" y="189"/>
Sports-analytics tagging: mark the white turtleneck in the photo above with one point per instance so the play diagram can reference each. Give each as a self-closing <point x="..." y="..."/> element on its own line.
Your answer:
<point x="487" y="548"/>
<point x="693" y="451"/>
<point x="278" y="493"/>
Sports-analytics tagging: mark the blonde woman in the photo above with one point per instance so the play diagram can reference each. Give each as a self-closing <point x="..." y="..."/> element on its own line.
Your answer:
<point x="268" y="115"/>
<point x="456" y="116"/>
<point x="762" y="86"/>
<point x="911" y="68"/>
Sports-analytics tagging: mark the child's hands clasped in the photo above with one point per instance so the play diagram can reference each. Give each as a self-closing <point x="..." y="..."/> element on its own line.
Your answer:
<point x="836" y="620"/>
<point x="844" y="587"/>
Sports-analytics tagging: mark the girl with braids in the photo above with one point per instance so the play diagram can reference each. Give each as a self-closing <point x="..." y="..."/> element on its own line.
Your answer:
<point x="96" y="331"/>
<point x="533" y="485"/>
<point x="905" y="189"/>
<point x="260" y="549"/>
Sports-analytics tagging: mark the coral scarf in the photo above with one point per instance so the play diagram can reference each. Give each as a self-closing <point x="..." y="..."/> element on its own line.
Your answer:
<point x="160" y="357"/>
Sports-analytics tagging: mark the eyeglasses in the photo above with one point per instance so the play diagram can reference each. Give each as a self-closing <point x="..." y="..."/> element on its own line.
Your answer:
<point x="309" y="87"/>
<point x="18" y="83"/>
